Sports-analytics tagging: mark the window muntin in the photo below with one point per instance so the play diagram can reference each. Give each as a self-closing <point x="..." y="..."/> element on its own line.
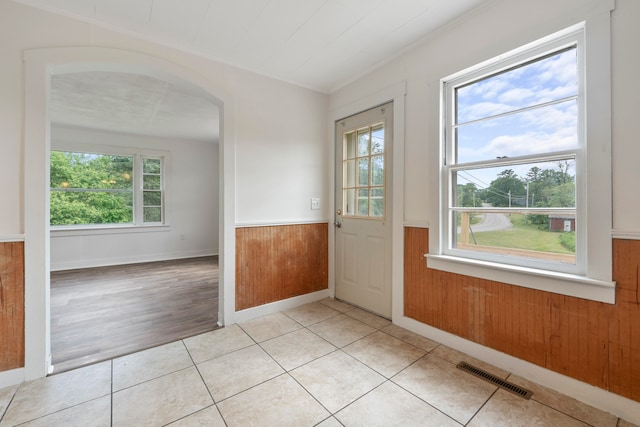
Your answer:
<point x="364" y="173"/>
<point x="95" y="189"/>
<point x="512" y="147"/>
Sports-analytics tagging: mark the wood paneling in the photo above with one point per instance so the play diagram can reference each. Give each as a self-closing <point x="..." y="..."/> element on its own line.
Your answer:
<point x="593" y="342"/>
<point x="11" y="305"/>
<point x="278" y="262"/>
<point x="624" y="322"/>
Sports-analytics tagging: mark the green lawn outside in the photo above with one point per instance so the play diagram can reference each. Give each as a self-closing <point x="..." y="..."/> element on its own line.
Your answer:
<point x="522" y="236"/>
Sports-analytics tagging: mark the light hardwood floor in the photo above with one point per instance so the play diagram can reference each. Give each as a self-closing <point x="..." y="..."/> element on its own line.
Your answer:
<point x="105" y="312"/>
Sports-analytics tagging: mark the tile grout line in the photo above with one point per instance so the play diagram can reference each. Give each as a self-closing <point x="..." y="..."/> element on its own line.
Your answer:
<point x="341" y="349"/>
<point x="416" y="396"/>
<point x="288" y="372"/>
<point x="475" y="414"/>
<point x="195" y="365"/>
<point x="558" y="409"/>
<point x="10" y="402"/>
<point x="336" y="349"/>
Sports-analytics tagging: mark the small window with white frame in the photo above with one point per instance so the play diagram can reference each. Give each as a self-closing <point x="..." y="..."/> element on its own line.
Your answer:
<point x="515" y="171"/>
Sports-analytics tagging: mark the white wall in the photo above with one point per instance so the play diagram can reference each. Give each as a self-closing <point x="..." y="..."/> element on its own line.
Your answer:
<point x="282" y="164"/>
<point x="626" y="126"/>
<point x="494" y="29"/>
<point x="193" y="208"/>
<point x="280" y="128"/>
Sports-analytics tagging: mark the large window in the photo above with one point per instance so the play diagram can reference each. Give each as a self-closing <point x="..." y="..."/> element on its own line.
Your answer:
<point x="512" y="139"/>
<point x="91" y="189"/>
<point x="518" y="193"/>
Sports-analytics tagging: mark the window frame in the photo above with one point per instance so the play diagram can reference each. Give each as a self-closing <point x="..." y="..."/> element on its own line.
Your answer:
<point x="139" y="214"/>
<point x="370" y="128"/>
<point x="138" y="224"/>
<point x="451" y="166"/>
<point x="591" y="277"/>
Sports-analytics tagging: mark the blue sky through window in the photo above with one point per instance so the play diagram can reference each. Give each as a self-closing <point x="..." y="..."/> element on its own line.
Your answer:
<point x="530" y="109"/>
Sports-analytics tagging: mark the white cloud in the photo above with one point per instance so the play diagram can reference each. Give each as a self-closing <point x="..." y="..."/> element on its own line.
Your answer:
<point x="553" y="117"/>
<point x="560" y="69"/>
<point x="530" y="143"/>
<point x="516" y="96"/>
<point x="482" y="109"/>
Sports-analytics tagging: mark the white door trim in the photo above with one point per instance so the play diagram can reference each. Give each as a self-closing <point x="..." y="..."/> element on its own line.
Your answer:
<point x="395" y="93"/>
<point x="40" y="64"/>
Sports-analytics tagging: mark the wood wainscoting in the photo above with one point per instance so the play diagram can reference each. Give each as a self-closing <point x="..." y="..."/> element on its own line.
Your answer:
<point x="594" y="342"/>
<point x="279" y="262"/>
<point x="11" y="305"/>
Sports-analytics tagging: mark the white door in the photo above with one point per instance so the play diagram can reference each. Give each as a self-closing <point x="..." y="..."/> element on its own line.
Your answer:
<point x="363" y="209"/>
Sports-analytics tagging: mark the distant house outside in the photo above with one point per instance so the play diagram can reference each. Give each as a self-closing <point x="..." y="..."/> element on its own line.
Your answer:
<point x="562" y="222"/>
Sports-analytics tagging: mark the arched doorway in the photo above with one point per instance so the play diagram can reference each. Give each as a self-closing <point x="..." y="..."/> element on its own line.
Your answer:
<point x="40" y="66"/>
<point x="134" y="213"/>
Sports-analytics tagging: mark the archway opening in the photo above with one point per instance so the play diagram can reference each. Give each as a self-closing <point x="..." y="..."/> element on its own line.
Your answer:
<point x="134" y="211"/>
<point x="41" y="65"/>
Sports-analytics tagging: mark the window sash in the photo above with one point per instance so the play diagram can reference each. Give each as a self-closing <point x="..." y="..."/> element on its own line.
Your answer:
<point x="450" y="164"/>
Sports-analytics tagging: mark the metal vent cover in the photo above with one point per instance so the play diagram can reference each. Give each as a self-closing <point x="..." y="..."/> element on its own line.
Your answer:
<point x="515" y="389"/>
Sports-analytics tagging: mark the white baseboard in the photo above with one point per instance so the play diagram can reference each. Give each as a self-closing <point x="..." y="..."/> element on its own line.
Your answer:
<point x="105" y="262"/>
<point x="274" y="307"/>
<point x="615" y="404"/>
<point x="12" y="377"/>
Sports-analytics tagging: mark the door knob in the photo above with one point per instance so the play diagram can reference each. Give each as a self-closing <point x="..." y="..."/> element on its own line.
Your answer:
<point x="339" y="212"/>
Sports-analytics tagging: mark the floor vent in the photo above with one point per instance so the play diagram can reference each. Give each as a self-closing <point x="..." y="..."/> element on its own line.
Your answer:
<point x="522" y="392"/>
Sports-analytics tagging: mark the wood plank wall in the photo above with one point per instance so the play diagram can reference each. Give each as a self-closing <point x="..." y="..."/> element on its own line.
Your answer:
<point x="278" y="262"/>
<point x="593" y="342"/>
<point x="11" y="305"/>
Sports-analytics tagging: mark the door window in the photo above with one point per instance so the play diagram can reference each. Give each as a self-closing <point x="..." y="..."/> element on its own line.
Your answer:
<point x="363" y="178"/>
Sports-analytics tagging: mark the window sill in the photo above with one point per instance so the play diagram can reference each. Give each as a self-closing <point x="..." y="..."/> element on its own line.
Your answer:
<point x="543" y="280"/>
<point x="107" y="229"/>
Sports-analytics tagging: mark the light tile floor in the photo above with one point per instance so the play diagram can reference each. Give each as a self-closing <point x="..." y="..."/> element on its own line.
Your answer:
<point x="322" y="364"/>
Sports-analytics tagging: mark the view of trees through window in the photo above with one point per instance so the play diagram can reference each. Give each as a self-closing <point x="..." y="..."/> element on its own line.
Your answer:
<point x="90" y="188"/>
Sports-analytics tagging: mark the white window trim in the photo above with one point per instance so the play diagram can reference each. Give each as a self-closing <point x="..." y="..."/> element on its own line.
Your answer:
<point x="138" y="226"/>
<point x="594" y="282"/>
<point x="139" y="193"/>
<point x="572" y="37"/>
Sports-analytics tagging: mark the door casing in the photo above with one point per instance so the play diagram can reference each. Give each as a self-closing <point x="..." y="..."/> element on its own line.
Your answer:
<point x="363" y="244"/>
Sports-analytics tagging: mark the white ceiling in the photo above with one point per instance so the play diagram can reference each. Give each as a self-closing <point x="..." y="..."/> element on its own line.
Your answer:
<point x="133" y="104"/>
<point x="319" y="44"/>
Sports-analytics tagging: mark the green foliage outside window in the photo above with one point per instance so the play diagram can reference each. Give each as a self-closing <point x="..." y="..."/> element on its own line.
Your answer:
<point x="90" y="188"/>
